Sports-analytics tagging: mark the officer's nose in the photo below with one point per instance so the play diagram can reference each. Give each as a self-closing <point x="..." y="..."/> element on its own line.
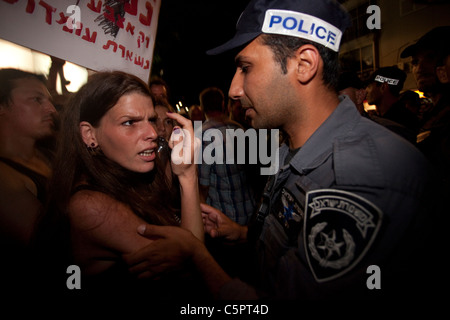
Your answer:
<point x="236" y="88"/>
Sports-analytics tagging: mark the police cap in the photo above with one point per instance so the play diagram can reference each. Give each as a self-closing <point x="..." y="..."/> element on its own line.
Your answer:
<point x="392" y="75"/>
<point x="321" y="21"/>
<point x="435" y="39"/>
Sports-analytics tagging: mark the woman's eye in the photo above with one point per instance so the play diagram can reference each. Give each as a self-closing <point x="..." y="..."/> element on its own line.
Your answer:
<point x="128" y="123"/>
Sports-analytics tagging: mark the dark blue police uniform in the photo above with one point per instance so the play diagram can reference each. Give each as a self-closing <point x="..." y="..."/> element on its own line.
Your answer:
<point x="345" y="201"/>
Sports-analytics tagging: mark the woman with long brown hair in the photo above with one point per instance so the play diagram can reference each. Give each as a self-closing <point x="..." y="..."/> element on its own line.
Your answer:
<point x="108" y="180"/>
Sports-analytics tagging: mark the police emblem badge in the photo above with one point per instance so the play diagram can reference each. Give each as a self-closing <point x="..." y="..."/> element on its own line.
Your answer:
<point x="289" y="215"/>
<point x="339" y="229"/>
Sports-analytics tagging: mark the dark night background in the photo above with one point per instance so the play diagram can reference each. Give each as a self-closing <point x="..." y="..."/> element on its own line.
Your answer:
<point x="186" y="30"/>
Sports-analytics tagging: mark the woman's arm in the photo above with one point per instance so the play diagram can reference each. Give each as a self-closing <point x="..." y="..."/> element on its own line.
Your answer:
<point x="102" y="230"/>
<point x="191" y="217"/>
<point x="184" y="146"/>
<point x="174" y="246"/>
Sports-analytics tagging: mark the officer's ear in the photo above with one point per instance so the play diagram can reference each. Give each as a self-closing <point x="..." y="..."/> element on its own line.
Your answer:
<point x="308" y="63"/>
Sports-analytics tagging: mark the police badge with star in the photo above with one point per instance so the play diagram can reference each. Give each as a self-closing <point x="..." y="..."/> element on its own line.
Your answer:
<point x="339" y="229"/>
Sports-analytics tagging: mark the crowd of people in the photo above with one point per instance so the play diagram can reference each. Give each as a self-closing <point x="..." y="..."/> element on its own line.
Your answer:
<point x="98" y="184"/>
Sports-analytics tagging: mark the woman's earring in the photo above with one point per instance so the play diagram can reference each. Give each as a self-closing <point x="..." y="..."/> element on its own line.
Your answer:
<point x="92" y="147"/>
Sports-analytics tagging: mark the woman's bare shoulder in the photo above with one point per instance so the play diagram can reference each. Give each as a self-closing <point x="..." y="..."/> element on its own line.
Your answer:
<point x="89" y="209"/>
<point x="101" y="220"/>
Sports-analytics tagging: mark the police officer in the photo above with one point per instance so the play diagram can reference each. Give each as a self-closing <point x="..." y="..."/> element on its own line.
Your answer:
<point x="383" y="90"/>
<point x="348" y="193"/>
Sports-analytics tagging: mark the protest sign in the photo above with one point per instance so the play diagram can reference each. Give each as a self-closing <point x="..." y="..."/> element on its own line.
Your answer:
<point x="99" y="35"/>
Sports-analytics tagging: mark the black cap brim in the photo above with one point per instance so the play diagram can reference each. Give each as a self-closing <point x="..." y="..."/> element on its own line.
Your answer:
<point x="435" y="39"/>
<point x="409" y="51"/>
<point x="237" y="41"/>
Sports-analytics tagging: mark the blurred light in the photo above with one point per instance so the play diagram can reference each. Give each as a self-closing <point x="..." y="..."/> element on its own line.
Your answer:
<point x="420" y="93"/>
<point x="76" y="75"/>
<point x="18" y="57"/>
<point x="368" y="107"/>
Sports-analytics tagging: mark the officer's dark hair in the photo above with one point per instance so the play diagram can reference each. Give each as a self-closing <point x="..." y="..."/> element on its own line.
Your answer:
<point x="8" y="77"/>
<point x="284" y="47"/>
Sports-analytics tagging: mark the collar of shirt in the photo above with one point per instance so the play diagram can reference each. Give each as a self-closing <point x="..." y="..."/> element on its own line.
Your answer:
<point x="319" y="146"/>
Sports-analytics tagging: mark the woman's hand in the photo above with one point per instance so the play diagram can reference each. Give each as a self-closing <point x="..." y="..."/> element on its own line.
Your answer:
<point x="184" y="146"/>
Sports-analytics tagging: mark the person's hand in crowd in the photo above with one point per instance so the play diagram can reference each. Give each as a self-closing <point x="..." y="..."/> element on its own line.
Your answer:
<point x="218" y="225"/>
<point x="170" y="249"/>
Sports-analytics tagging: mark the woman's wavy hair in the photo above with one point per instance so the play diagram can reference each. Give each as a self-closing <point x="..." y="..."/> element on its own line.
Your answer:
<point x="147" y="194"/>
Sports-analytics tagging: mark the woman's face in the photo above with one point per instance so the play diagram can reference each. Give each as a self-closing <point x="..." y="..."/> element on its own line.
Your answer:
<point x="126" y="133"/>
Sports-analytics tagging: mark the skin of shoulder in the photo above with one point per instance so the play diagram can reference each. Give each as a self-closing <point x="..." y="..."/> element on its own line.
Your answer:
<point x="102" y="230"/>
<point x="15" y="180"/>
<point x="19" y="207"/>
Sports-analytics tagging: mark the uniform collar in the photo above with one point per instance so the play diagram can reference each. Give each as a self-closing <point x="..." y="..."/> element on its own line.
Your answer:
<point x="320" y="145"/>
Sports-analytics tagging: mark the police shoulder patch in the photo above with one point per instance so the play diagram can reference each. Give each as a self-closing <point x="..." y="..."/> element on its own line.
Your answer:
<point x="339" y="229"/>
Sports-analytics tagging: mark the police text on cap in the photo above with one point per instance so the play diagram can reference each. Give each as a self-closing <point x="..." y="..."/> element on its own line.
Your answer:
<point x="392" y="82"/>
<point x="302" y="25"/>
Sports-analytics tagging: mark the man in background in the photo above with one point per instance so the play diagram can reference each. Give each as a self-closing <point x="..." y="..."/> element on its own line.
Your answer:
<point x="351" y="85"/>
<point x="27" y="116"/>
<point x="383" y="91"/>
<point x="223" y="185"/>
